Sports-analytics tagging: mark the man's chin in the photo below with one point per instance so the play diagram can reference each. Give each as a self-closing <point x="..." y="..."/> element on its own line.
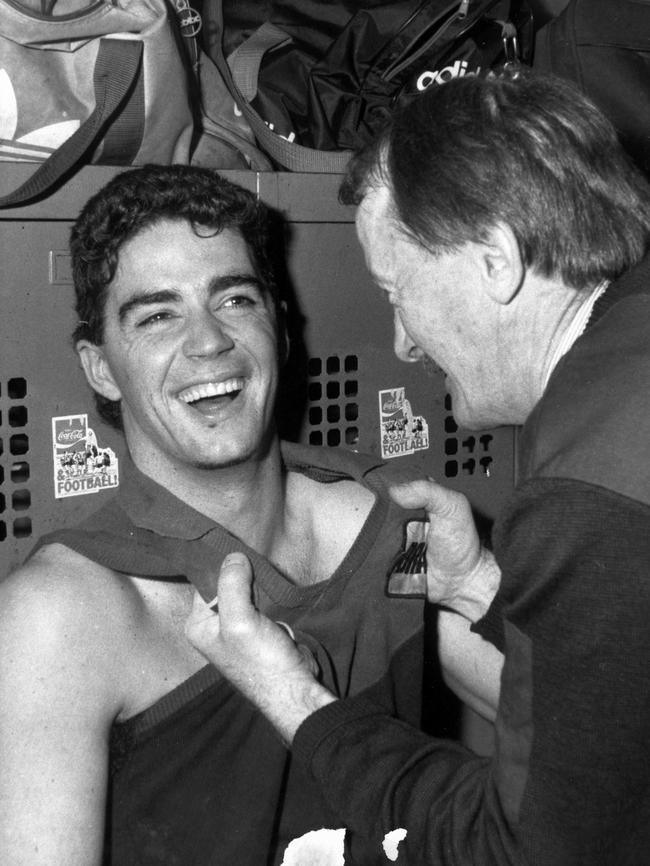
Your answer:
<point x="253" y="452"/>
<point x="463" y="415"/>
<point x="212" y="464"/>
<point x="473" y="421"/>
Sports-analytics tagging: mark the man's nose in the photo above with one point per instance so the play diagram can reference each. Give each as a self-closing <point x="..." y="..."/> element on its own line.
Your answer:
<point x="405" y="348"/>
<point x="206" y="335"/>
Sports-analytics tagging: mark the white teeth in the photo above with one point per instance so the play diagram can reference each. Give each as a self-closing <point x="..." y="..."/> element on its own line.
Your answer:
<point x="210" y="389"/>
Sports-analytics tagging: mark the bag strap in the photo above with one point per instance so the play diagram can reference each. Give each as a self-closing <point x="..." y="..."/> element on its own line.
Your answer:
<point x="116" y="71"/>
<point x="246" y="61"/>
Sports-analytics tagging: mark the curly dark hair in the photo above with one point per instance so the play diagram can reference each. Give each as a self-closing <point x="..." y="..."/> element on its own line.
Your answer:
<point x="136" y="199"/>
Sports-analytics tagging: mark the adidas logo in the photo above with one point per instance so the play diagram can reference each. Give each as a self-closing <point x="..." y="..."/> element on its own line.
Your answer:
<point x="439" y="76"/>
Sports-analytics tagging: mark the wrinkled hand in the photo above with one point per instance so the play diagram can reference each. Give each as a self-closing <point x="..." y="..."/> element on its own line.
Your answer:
<point x="255" y="653"/>
<point x="461" y="574"/>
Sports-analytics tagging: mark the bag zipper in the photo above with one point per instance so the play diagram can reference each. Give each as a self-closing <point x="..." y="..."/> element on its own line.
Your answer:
<point x="461" y="14"/>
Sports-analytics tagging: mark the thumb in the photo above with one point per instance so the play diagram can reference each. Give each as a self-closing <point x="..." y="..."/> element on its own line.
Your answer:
<point x="235" y="588"/>
<point x="426" y="494"/>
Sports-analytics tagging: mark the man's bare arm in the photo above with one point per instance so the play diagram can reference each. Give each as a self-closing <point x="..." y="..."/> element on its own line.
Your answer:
<point x="56" y="706"/>
<point x="471" y="666"/>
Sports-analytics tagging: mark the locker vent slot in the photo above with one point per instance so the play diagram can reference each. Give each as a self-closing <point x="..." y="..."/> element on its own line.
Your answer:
<point x="470" y="454"/>
<point x="15" y="494"/>
<point x="333" y="412"/>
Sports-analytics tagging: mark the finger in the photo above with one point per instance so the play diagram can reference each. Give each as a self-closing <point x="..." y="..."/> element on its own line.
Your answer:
<point x="234" y="588"/>
<point x="310" y="659"/>
<point x="424" y="493"/>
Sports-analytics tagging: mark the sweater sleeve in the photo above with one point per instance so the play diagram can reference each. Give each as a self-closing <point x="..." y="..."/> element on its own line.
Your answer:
<point x="569" y="784"/>
<point x="381" y="775"/>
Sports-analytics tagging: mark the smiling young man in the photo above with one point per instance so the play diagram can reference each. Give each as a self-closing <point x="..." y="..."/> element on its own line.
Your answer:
<point x="118" y="744"/>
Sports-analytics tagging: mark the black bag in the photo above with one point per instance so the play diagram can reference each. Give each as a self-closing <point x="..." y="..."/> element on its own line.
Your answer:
<point x="604" y="47"/>
<point x="317" y="79"/>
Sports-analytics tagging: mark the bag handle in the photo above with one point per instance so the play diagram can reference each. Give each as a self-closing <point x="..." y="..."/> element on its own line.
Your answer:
<point x="116" y="71"/>
<point x="246" y="61"/>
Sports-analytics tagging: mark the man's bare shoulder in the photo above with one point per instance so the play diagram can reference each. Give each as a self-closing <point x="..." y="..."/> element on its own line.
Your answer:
<point x="56" y="557"/>
<point x="352" y="495"/>
<point x="60" y="604"/>
<point x="327" y="521"/>
<point x="87" y="629"/>
<point x="346" y="501"/>
<point x="58" y="575"/>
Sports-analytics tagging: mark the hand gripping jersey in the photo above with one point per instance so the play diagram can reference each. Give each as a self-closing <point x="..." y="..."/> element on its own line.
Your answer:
<point x="200" y="778"/>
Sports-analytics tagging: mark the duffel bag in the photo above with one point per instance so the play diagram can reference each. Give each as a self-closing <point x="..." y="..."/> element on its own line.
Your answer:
<point x="90" y="82"/>
<point x="316" y="80"/>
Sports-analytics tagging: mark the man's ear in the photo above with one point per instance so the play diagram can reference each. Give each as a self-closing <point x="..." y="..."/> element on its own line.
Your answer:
<point x="97" y="370"/>
<point x="502" y="267"/>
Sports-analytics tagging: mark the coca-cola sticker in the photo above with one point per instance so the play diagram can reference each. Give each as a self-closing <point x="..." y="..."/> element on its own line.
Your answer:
<point x="81" y="465"/>
<point x="401" y="431"/>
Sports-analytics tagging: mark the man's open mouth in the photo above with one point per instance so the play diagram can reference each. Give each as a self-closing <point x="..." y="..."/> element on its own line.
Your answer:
<point x="208" y="396"/>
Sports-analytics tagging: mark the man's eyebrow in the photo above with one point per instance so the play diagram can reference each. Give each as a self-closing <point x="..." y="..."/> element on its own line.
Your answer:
<point x="228" y="281"/>
<point x="218" y="284"/>
<point x="143" y="299"/>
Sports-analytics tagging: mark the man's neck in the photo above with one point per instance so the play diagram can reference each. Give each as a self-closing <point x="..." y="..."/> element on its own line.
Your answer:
<point x="247" y="499"/>
<point x="575" y="327"/>
<point x="547" y="310"/>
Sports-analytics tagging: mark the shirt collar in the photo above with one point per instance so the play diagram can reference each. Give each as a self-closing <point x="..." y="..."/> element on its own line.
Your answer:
<point x="576" y="328"/>
<point x="151" y="506"/>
